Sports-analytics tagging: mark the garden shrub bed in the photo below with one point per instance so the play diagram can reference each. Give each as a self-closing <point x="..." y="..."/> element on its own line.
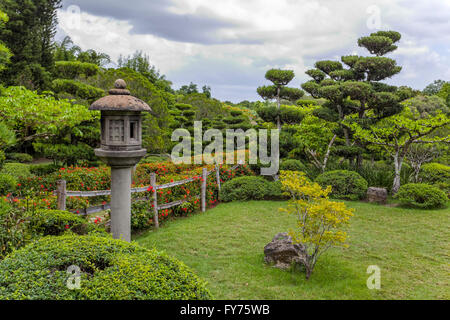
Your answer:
<point x="110" y="270"/>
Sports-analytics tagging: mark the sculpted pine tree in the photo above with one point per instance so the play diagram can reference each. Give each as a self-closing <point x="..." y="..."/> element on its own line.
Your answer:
<point x="357" y="89"/>
<point x="278" y="91"/>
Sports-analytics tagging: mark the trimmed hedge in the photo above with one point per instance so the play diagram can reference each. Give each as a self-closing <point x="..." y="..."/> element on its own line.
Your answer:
<point x="110" y="270"/>
<point x="77" y="88"/>
<point x="347" y="185"/>
<point x="292" y="165"/>
<point x="421" y="195"/>
<point x="19" y="157"/>
<point x="250" y="188"/>
<point x="73" y="69"/>
<point x="17" y="170"/>
<point x="44" y="169"/>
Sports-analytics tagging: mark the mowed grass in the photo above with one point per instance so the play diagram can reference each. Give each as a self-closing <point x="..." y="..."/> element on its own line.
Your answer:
<point x="225" y="247"/>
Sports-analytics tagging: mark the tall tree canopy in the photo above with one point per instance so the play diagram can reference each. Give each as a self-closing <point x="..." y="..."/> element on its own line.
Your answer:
<point x="29" y="35"/>
<point x="357" y="89"/>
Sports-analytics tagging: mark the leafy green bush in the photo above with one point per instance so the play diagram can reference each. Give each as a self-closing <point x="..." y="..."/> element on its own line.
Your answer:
<point x="292" y="165"/>
<point x="17" y="170"/>
<point x="110" y="270"/>
<point x="249" y="188"/>
<point x="141" y="215"/>
<point x="421" y="195"/>
<point x="8" y="184"/>
<point x="19" y="157"/>
<point x="13" y="229"/>
<point x="43" y="169"/>
<point x="56" y="222"/>
<point x="434" y="173"/>
<point x="346" y="184"/>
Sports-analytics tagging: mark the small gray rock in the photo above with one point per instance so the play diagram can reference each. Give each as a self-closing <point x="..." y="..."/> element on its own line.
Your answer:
<point x="283" y="253"/>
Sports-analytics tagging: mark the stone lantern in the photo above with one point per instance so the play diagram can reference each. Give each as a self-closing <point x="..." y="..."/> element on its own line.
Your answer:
<point x="121" y="149"/>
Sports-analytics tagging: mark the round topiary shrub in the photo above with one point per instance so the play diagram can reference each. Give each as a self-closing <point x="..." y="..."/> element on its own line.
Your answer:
<point x="249" y="188"/>
<point x="421" y="195"/>
<point x="56" y="222"/>
<point x="292" y="165"/>
<point x="8" y="184"/>
<point x="110" y="270"/>
<point x="347" y="185"/>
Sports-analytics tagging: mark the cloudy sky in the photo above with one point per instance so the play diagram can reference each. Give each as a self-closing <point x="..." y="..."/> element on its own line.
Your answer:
<point x="230" y="44"/>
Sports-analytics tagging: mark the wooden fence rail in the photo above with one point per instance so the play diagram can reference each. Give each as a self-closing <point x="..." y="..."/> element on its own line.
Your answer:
<point x="62" y="193"/>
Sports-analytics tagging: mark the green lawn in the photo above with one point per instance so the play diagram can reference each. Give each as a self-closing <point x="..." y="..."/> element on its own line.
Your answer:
<point x="225" y="247"/>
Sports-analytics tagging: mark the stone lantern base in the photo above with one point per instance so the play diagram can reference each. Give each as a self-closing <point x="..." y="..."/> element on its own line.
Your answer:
<point x="121" y="163"/>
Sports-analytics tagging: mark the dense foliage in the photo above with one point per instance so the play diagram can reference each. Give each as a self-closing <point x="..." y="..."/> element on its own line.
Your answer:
<point x="110" y="270"/>
<point x="250" y="188"/>
<point x="344" y="184"/>
<point x="319" y="220"/>
<point x="421" y="195"/>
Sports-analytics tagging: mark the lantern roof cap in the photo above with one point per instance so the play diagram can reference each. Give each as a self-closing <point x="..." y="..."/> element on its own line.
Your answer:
<point x="120" y="99"/>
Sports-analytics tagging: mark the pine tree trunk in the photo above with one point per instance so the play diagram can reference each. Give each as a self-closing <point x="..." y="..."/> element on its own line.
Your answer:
<point x="279" y="108"/>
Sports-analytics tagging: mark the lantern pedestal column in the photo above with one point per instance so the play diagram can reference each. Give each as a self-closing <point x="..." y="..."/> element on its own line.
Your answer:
<point x="121" y="203"/>
<point x="122" y="164"/>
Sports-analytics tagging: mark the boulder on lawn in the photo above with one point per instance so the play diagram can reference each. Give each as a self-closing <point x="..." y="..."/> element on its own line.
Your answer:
<point x="378" y="195"/>
<point x="283" y="253"/>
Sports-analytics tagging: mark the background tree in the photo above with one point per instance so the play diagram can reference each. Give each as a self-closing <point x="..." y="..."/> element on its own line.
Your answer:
<point x="316" y="138"/>
<point x="278" y="91"/>
<point x="140" y="62"/>
<point x="206" y="90"/>
<point x="357" y="89"/>
<point x="188" y="89"/>
<point x="433" y="88"/>
<point x="418" y="154"/>
<point x="29" y="35"/>
<point x="35" y="117"/>
<point x="397" y="133"/>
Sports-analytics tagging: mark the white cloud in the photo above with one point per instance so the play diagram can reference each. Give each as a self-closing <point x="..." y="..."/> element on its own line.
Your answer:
<point x="255" y="35"/>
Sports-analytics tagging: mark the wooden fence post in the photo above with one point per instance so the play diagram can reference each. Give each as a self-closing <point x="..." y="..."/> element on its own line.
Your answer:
<point x="204" y="178"/>
<point x="61" y="194"/>
<point x="218" y="176"/>
<point x="155" y="199"/>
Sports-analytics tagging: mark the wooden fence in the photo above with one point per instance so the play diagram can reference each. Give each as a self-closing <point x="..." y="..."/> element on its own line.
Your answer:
<point x="62" y="193"/>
